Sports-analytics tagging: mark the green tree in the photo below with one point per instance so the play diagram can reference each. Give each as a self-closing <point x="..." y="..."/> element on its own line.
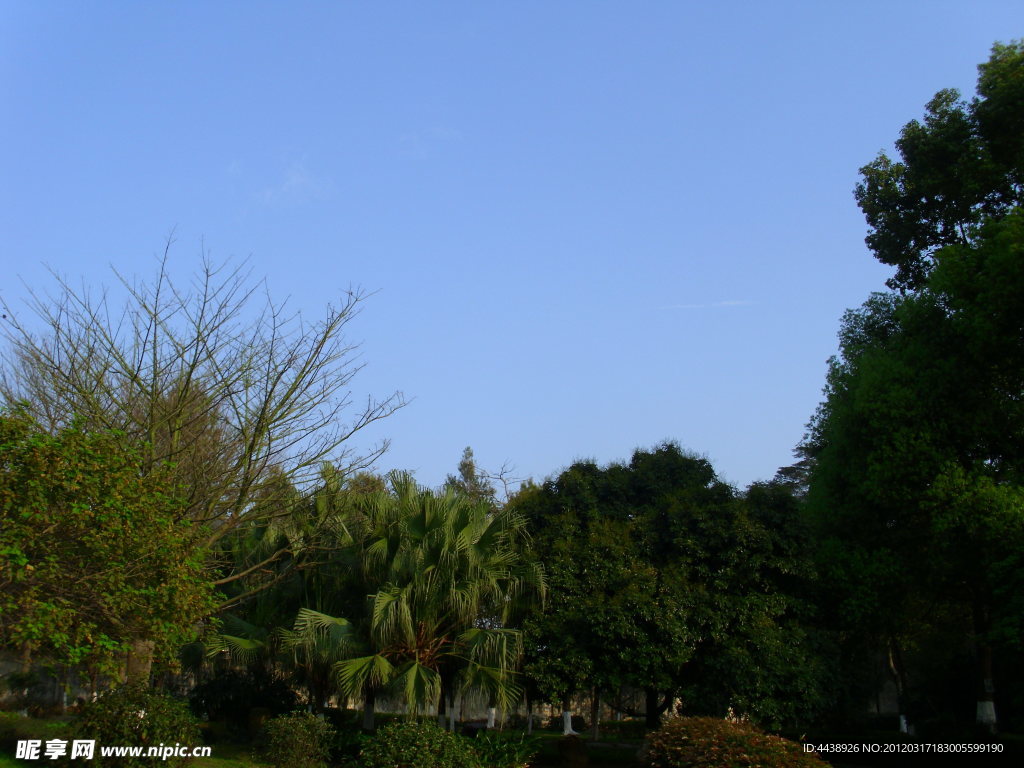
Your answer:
<point x="916" y="451"/>
<point x="94" y="553"/>
<point x="918" y="456"/>
<point x="471" y="480"/>
<point x="663" y="580"/>
<point x="242" y="399"/>
<point x="443" y="575"/>
<point x="960" y="167"/>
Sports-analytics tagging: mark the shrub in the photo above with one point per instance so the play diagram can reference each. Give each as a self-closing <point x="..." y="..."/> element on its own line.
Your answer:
<point x="299" y="740"/>
<point x="230" y="695"/>
<point x="496" y="750"/>
<point x="135" y="716"/>
<point x="417" y="744"/>
<point x="706" y="742"/>
<point x="348" y="744"/>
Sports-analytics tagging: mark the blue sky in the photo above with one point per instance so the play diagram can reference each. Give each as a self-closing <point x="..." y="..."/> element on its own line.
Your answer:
<point x="589" y="226"/>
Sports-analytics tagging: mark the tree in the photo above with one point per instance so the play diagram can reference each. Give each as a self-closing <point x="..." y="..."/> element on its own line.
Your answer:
<point x="916" y="451"/>
<point x="964" y="165"/>
<point x="662" y="580"/>
<point x="471" y="481"/>
<point x="94" y="554"/>
<point x="244" y="400"/>
<point x="441" y="575"/>
<point x="918" y="456"/>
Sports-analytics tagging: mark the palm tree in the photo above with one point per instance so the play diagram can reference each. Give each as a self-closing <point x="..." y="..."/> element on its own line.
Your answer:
<point x="442" y="573"/>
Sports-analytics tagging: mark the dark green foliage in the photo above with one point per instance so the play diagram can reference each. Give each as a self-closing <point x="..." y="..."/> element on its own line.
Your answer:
<point x="961" y="166"/>
<point x="918" y="473"/>
<point x="501" y="750"/>
<point x="705" y="742"/>
<point x="348" y="744"/>
<point x="663" y="579"/>
<point x="417" y="744"/>
<point x="299" y="740"/>
<point x="230" y="695"/>
<point x="135" y="716"/>
<point x="917" y="481"/>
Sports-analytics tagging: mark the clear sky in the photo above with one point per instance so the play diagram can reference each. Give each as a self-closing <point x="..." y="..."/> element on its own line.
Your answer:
<point x="590" y="226"/>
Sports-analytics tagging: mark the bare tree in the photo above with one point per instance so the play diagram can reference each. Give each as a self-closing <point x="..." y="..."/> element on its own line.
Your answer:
<point x="244" y="399"/>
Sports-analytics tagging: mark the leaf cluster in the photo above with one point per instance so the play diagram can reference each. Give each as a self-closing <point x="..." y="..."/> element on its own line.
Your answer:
<point x="93" y="552"/>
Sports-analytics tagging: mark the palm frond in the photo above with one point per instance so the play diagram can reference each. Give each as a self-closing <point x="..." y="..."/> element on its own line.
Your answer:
<point x="356" y="675"/>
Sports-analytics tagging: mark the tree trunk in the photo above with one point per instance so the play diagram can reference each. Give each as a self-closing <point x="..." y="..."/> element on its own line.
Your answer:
<point x="492" y="715"/>
<point x="139" y="664"/>
<point x="567" y="718"/>
<point x="369" y="702"/>
<point x="651" y="712"/>
<point x="900" y="678"/>
<point x="986" y="710"/>
<point x="595" y="714"/>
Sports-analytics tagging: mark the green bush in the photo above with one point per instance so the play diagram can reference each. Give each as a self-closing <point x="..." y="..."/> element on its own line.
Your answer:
<point x="348" y="744"/>
<point x="299" y="740"/>
<point x="498" y="750"/>
<point x="417" y="744"/>
<point x="135" y="716"/>
<point x="706" y="742"/>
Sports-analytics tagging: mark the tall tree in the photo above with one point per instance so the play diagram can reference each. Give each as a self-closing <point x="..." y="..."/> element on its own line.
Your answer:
<point x="471" y="480"/>
<point x="917" y="447"/>
<point x="214" y="379"/>
<point x="661" y="581"/>
<point x="959" y="167"/>
<point x="918" y="452"/>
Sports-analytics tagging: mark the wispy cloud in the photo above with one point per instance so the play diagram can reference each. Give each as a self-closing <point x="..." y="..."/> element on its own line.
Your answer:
<point x="296" y="184"/>
<point x="711" y="305"/>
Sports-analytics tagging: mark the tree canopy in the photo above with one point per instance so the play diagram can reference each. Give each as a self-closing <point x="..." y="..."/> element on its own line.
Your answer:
<point x="664" y="580"/>
<point x="916" y="452"/>
<point x="94" y="554"/>
<point x="961" y="166"/>
<point x="242" y="399"/>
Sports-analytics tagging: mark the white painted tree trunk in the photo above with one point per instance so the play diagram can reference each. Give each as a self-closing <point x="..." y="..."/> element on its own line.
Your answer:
<point x="567" y="724"/>
<point x="492" y="715"/>
<point x="986" y="717"/>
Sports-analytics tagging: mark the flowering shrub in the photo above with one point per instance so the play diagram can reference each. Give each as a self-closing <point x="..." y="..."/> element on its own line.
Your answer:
<point x="706" y="742"/>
